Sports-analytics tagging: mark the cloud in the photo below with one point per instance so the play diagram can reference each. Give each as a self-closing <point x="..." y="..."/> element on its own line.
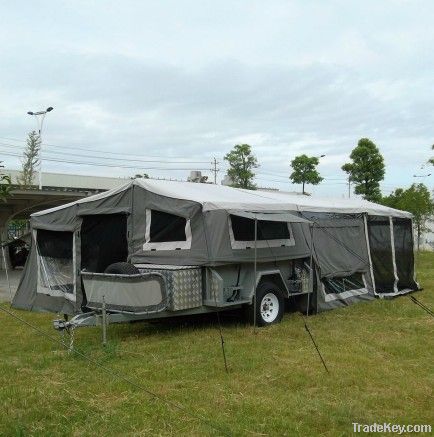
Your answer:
<point x="162" y="79"/>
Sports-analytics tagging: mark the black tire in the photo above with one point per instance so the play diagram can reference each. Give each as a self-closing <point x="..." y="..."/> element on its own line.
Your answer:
<point x="263" y="289"/>
<point x="122" y="269"/>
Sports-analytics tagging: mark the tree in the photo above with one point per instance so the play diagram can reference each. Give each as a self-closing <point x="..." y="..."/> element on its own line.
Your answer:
<point x="431" y="160"/>
<point x="418" y="201"/>
<point x="242" y="162"/>
<point x="140" y="176"/>
<point x="304" y="170"/>
<point x="30" y="160"/>
<point x="367" y="170"/>
<point x="5" y="185"/>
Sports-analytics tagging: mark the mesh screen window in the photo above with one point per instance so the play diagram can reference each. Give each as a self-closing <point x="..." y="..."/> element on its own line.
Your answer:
<point x="341" y="285"/>
<point x="167" y="227"/>
<point x="244" y="229"/>
<point x="54" y="244"/>
<point x="55" y="263"/>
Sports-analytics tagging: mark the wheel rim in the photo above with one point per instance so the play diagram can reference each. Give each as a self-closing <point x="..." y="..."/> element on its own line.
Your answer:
<point x="269" y="307"/>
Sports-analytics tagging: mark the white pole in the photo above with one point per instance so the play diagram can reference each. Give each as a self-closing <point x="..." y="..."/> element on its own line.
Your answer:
<point x="392" y="243"/>
<point x="104" y="322"/>
<point x="6" y="271"/>
<point x="254" y="279"/>
<point x="368" y="245"/>
<point x="311" y="268"/>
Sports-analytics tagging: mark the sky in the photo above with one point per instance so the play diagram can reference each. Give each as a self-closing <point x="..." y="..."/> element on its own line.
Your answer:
<point x="182" y="82"/>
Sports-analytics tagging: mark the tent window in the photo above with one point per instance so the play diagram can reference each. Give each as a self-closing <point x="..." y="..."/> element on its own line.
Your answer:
<point x="269" y="233"/>
<point x="340" y="285"/>
<point x="54" y="244"/>
<point x="55" y="252"/>
<point x="167" y="227"/>
<point x="165" y="231"/>
<point x="344" y="287"/>
<point x="244" y="229"/>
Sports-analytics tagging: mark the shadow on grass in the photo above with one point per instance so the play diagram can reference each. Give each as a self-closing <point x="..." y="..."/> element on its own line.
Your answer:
<point x="236" y="318"/>
<point x="170" y="325"/>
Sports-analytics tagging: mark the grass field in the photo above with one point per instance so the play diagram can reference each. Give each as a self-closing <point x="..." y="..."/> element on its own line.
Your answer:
<point x="380" y="356"/>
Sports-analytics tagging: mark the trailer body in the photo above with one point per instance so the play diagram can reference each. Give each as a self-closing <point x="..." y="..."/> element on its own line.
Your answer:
<point x="199" y="248"/>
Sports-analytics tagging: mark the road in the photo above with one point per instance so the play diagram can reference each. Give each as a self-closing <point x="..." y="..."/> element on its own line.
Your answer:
<point x="14" y="278"/>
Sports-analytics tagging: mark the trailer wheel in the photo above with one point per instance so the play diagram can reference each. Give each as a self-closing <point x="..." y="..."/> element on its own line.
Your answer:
<point x="122" y="269"/>
<point x="270" y="304"/>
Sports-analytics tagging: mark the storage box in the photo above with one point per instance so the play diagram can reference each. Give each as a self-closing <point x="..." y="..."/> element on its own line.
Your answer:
<point x="183" y="284"/>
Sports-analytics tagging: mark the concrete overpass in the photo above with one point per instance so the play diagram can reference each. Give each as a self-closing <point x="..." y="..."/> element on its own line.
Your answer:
<point x="57" y="189"/>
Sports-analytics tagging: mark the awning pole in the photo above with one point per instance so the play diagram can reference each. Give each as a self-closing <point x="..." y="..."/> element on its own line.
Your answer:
<point x="306" y="327"/>
<point x="368" y="246"/>
<point x="104" y="322"/>
<point x="392" y="243"/>
<point x="254" y="276"/>
<point x="415" y="256"/>
<point x="6" y="271"/>
<point x="311" y="271"/>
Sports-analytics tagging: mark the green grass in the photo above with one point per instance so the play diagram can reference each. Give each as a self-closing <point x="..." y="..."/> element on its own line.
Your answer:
<point x="380" y="356"/>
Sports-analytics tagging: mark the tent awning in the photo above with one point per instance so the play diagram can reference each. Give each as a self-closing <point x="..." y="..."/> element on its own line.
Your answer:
<point x="270" y="216"/>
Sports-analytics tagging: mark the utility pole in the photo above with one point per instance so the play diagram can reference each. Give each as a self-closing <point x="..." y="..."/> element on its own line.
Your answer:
<point x="349" y="187"/>
<point x="39" y="117"/>
<point x="215" y="169"/>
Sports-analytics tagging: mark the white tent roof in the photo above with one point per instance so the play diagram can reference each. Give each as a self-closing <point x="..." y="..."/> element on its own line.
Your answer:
<point x="102" y="195"/>
<point x="215" y="197"/>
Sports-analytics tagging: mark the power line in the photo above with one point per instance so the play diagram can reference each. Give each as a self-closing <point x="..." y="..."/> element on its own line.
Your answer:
<point x="173" y="160"/>
<point x="87" y="149"/>
<point x="289" y="182"/>
<point x="108" y="158"/>
<point x="273" y="180"/>
<point x="280" y="175"/>
<point x="108" y="165"/>
<point x="135" y="167"/>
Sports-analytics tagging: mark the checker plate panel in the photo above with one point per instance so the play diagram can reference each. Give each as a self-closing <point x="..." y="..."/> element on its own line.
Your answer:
<point x="184" y="285"/>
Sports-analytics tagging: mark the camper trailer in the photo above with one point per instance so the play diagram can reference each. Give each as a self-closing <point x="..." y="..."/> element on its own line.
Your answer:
<point x="152" y="249"/>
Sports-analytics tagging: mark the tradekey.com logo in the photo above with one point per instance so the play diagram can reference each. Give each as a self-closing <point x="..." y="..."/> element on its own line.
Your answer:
<point x="389" y="427"/>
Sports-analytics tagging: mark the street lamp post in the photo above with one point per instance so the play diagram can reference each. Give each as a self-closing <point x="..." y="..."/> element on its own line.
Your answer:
<point x="39" y="117"/>
<point x="319" y="157"/>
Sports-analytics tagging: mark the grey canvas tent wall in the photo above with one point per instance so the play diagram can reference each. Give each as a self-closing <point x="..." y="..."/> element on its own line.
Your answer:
<point x="360" y="249"/>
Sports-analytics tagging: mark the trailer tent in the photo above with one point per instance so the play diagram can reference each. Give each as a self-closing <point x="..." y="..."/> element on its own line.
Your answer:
<point x="217" y="243"/>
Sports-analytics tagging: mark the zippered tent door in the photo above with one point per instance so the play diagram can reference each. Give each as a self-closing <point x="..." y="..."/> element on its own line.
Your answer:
<point x="404" y="253"/>
<point x="381" y="249"/>
<point x="103" y="241"/>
